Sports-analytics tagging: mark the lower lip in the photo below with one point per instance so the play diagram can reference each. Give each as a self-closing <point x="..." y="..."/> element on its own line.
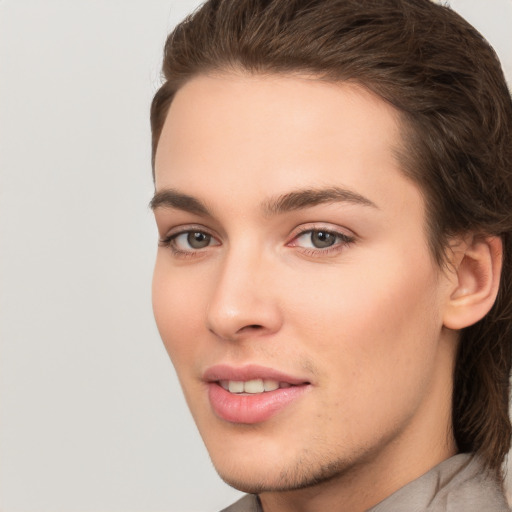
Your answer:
<point x="251" y="408"/>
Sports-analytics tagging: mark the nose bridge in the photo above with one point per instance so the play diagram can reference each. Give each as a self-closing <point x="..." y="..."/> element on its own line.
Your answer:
<point x="242" y="300"/>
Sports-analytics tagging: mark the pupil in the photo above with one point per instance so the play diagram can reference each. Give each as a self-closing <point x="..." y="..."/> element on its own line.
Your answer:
<point x="321" y="239"/>
<point x="198" y="240"/>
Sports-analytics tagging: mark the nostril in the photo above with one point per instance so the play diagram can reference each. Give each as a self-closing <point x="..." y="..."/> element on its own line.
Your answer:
<point x="252" y="327"/>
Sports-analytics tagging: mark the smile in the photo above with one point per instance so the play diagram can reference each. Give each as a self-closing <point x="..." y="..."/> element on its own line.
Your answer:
<point x="251" y="394"/>
<point x="253" y="386"/>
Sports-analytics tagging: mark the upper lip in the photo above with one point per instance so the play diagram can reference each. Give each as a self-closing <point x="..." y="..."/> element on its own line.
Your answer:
<point x="249" y="372"/>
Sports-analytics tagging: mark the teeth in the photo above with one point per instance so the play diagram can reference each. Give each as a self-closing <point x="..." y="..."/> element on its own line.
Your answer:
<point x="270" y="385"/>
<point x="236" y="386"/>
<point x="252" y="386"/>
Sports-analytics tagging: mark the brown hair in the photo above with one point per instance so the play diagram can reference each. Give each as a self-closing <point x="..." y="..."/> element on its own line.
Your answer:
<point x="446" y="81"/>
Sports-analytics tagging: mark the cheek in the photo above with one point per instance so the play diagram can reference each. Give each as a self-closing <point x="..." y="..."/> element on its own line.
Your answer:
<point x="177" y="310"/>
<point x="374" y="333"/>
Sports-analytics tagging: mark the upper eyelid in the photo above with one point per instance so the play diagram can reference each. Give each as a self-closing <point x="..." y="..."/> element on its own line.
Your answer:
<point x="321" y="226"/>
<point x="187" y="228"/>
<point x="330" y="231"/>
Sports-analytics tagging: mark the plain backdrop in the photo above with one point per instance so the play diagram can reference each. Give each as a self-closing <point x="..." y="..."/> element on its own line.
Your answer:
<point x="91" y="415"/>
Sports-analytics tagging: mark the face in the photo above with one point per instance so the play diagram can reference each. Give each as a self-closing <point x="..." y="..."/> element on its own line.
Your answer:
<point x="293" y="288"/>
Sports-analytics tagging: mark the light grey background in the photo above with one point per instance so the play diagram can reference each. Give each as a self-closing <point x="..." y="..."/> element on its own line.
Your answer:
<point x="91" y="416"/>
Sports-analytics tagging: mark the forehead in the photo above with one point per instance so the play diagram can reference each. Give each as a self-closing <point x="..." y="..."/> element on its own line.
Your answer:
<point x="252" y="135"/>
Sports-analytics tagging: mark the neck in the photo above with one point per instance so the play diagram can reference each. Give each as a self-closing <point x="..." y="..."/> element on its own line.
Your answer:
<point x="359" y="488"/>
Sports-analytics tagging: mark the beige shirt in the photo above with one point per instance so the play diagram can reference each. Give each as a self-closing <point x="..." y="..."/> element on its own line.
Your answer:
<point x="459" y="484"/>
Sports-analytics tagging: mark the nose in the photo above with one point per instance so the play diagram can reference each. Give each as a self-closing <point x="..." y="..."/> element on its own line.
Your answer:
<point x="244" y="299"/>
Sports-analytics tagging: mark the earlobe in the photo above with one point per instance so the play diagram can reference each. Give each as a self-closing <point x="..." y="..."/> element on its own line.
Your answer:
<point x="477" y="268"/>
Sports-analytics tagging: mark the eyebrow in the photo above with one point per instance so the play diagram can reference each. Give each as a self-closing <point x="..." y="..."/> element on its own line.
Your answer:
<point x="295" y="200"/>
<point x="307" y="198"/>
<point x="170" y="198"/>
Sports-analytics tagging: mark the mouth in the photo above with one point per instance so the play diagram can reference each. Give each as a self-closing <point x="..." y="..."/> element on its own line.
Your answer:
<point x="253" y="386"/>
<point x="251" y="394"/>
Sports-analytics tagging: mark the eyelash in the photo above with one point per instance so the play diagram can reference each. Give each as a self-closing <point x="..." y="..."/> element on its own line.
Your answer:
<point x="170" y="242"/>
<point x="344" y="240"/>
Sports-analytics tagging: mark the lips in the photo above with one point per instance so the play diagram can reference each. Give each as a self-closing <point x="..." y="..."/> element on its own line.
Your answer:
<point x="251" y="394"/>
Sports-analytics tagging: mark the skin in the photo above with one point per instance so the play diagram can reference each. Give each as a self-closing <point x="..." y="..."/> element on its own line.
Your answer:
<point x="360" y="320"/>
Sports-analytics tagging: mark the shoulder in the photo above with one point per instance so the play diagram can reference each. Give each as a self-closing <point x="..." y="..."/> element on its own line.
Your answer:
<point x="249" y="503"/>
<point x="459" y="484"/>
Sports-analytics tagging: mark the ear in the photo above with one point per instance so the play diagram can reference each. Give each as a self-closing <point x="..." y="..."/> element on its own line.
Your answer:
<point x="476" y="265"/>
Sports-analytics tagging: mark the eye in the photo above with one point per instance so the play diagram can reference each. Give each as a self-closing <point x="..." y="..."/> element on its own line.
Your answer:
<point x="321" y="239"/>
<point x="188" y="242"/>
<point x="192" y="240"/>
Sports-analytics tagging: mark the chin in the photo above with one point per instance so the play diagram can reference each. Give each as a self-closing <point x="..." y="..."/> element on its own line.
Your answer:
<point x="296" y="475"/>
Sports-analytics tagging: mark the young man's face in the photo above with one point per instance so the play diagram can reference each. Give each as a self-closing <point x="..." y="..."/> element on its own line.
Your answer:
<point x="295" y="260"/>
